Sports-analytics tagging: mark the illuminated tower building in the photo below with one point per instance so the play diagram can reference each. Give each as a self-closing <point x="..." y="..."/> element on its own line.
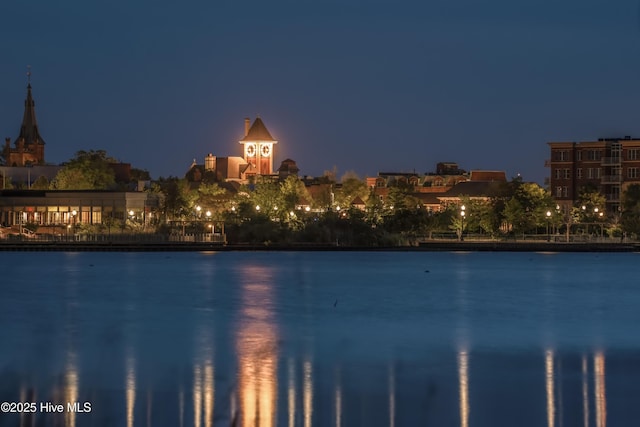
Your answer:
<point x="258" y="146"/>
<point x="29" y="146"/>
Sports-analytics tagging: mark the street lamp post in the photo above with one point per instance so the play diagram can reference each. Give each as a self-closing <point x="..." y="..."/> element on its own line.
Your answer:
<point x="209" y="225"/>
<point x="462" y="214"/>
<point x="599" y="215"/>
<point x="73" y="214"/>
<point x="548" y="220"/>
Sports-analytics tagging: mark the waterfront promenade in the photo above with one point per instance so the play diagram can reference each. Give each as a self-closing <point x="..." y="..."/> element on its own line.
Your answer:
<point x="431" y="245"/>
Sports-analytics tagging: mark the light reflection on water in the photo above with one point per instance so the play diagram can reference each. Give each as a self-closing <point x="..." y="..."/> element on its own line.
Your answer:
<point x="248" y="340"/>
<point x="463" y="376"/>
<point x="257" y="348"/>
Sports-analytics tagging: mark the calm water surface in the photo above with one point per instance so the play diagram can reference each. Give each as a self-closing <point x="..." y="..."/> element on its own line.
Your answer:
<point x="321" y="339"/>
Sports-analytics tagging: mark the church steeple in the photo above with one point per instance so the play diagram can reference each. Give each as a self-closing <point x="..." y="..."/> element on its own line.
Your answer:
<point x="29" y="145"/>
<point x="29" y="131"/>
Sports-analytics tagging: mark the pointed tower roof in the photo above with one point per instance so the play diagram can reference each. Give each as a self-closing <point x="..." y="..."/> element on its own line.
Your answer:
<point x="29" y="128"/>
<point x="258" y="132"/>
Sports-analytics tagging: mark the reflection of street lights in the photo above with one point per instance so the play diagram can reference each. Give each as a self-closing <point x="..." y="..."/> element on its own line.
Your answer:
<point x="462" y="214"/>
<point x="548" y="220"/>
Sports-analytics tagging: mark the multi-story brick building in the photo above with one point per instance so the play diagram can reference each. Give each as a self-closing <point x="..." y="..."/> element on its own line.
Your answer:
<point x="608" y="164"/>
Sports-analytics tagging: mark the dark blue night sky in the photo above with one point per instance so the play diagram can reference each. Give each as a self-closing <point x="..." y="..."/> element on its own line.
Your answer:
<point x="393" y="85"/>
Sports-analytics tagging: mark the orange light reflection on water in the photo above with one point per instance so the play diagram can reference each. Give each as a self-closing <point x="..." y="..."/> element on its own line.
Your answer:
<point x="600" y="392"/>
<point x="71" y="389"/>
<point x="463" y="379"/>
<point x="256" y="343"/>
<point x="549" y="382"/>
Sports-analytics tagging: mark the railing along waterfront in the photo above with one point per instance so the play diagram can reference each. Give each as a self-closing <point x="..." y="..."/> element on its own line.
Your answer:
<point x="115" y="238"/>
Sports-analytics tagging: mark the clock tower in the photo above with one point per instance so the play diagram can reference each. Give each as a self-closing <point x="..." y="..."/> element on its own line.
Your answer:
<point x="258" y="146"/>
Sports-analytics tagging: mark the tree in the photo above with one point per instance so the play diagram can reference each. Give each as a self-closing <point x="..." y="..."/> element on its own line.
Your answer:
<point x="630" y="220"/>
<point x="351" y="188"/>
<point x="212" y="198"/>
<point x="526" y="209"/>
<point x="292" y="192"/>
<point x="374" y="209"/>
<point x="42" y="183"/>
<point x="267" y="199"/>
<point x="86" y="171"/>
<point x="178" y="199"/>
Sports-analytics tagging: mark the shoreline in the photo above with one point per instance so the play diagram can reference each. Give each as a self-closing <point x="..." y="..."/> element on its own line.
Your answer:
<point x="429" y="246"/>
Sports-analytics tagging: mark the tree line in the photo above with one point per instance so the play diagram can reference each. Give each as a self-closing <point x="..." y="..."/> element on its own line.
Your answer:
<point x="287" y="211"/>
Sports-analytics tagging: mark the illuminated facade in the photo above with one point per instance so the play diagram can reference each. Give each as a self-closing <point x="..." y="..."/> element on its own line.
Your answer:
<point x="29" y="146"/>
<point x="57" y="207"/>
<point x="608" y="164"/>
<point x="257" y="159"/>
<point x="258" y="145"/>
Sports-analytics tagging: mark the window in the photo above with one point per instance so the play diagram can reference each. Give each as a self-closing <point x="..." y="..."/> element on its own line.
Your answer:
<point x="567" y="173"/>
<point x="633" y="154"/>
<point x="615" y="192"/>
<point x="558" y="173"/>
<point x="579" y="173"/>
<point x="598" y="173"/>
<point x="560" y="155"/>
<point x="594" y="154"/>
<point x="590" y="174"/>
<point x="632" y="172"/>
<point x="565" y="192"/>
<point x="579" y="155"/>
<point x="558" y="191"/>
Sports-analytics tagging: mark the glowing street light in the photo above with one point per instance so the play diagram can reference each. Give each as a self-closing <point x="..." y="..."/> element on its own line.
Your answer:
<point x="462" y="214"/>
<point x="548" y="220"/>
<point x="73" y="216"/>
<point x="599" y="216"/>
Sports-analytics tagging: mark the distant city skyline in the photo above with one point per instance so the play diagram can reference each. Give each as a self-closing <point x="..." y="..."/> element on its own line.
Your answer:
<point x="363" y="86"/>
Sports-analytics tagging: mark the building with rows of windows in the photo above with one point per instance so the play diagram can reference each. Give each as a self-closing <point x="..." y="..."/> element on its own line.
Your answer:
<point x="608" y="164"/>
